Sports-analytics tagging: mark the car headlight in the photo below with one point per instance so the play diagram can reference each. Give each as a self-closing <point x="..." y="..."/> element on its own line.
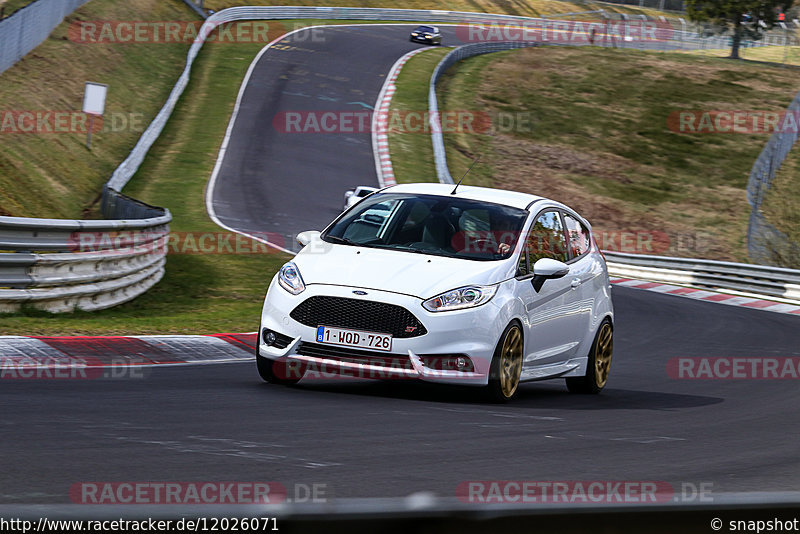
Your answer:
<point x="289" y="278"/>
<point x="458" y="299"/>
<point x="414" y="34"/>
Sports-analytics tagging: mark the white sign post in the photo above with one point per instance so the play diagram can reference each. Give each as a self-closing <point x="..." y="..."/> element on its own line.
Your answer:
<point x="94" y="103"/>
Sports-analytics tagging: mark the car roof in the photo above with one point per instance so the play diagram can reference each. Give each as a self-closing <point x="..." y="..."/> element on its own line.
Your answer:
<point x="497" y="196"/>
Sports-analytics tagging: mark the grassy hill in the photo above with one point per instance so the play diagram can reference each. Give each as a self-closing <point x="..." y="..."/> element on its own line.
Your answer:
<point x="521" y="8"/>
<point x="599" y="134"/>
<point x="54" y="174"/>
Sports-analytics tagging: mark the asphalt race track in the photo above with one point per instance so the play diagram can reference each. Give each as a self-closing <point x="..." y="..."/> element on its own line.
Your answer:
<point x="284" y="183"/>
<point x="384" y="439"/>
<point x="367" y="439"/>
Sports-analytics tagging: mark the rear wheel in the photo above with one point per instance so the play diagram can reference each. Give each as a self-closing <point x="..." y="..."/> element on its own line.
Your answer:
<point x="506" y="367"/>
<point x="599" y="365"/>
<point x="279" y="372"/>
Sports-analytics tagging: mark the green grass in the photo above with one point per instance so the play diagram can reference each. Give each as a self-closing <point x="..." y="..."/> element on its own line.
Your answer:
<point x="526" y="8"/>
<point x="412" y="152"/>
<point x="773" y="54"/>
<point x="597" y="137"/>
<point x="54" y="174"/>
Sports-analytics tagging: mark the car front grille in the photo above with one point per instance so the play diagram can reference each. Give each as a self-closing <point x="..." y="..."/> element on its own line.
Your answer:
<point x="348" y="355"/>
<point x="371" y="316"/>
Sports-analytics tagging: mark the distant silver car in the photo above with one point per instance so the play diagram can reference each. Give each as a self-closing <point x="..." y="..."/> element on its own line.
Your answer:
<point x="354" y="195"/>
<point x="427" y="35"/>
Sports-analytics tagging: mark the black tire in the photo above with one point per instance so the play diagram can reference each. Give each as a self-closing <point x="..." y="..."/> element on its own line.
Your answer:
<point x="598" y="367"/>
<point x="278" y="372"/>
<point x="506" y="367"/>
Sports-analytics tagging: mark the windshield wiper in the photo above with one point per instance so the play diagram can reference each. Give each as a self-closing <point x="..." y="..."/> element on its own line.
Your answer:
<point x="341" y="240"/>
<point x="403" y="248"/>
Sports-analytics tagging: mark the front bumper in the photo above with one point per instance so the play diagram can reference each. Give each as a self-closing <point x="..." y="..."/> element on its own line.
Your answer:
<point x="471" y="332"/>
<point x="423" y="39"/>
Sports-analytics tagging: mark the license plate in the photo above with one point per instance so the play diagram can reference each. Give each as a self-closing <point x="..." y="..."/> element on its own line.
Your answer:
<point x="354" y="338"/>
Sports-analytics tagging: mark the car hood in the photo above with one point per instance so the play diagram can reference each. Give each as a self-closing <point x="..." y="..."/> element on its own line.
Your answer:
<point x="418" y="275"/>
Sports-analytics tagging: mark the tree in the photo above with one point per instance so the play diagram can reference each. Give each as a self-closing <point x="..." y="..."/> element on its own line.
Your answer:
<point x="743" y="18"/>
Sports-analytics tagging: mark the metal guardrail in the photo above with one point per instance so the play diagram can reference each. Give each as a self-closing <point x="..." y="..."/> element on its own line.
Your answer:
<point x="661" y="5"/>
<point x="765" y="243"/>
<point x="462" y="52"/>
<point x="758" y="279"/>
<point x="61" y="265"/>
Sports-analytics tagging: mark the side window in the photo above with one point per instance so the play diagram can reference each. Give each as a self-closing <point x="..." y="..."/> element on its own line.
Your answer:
<point x="546" y="238"/>
<point x="580" y="241"/>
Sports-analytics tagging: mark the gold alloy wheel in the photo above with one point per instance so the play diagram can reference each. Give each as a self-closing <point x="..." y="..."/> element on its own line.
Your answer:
<point x="602" y="355"/>
<point x="511" y="362"/>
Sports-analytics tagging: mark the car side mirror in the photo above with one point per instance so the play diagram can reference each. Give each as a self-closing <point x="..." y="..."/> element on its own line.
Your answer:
<point x="304" y="238"/>
<point x="546" y="269"/>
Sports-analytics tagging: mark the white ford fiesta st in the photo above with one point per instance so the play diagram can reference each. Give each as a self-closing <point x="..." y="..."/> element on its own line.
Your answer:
<point x="473" y="286"/>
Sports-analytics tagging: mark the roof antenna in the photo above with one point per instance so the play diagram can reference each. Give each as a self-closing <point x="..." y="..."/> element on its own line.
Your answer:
<point x="453" y="192"/>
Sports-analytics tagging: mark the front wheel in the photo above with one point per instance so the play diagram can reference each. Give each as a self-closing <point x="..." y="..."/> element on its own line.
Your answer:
<point x="506" y="368"/>
<point x="598" y="366"/>
<point x="279" y="372"/>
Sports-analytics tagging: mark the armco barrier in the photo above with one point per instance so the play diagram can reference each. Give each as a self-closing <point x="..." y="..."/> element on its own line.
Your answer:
<point x="61" y="265"/>
<point x="765" y="243"/>
<point x="757" y="279"/>
<point x="439" y="154"/>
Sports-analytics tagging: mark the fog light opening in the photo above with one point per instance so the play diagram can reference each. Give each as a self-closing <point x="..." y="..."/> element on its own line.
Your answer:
<point x="269" y="337"/>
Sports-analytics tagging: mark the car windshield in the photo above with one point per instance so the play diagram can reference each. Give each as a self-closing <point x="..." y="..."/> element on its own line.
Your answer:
<point x="427" y="29"/>
<point x="430" y="224"/>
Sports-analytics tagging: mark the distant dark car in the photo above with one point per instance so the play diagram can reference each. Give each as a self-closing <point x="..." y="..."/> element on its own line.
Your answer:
<point x="427" y="35"/>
